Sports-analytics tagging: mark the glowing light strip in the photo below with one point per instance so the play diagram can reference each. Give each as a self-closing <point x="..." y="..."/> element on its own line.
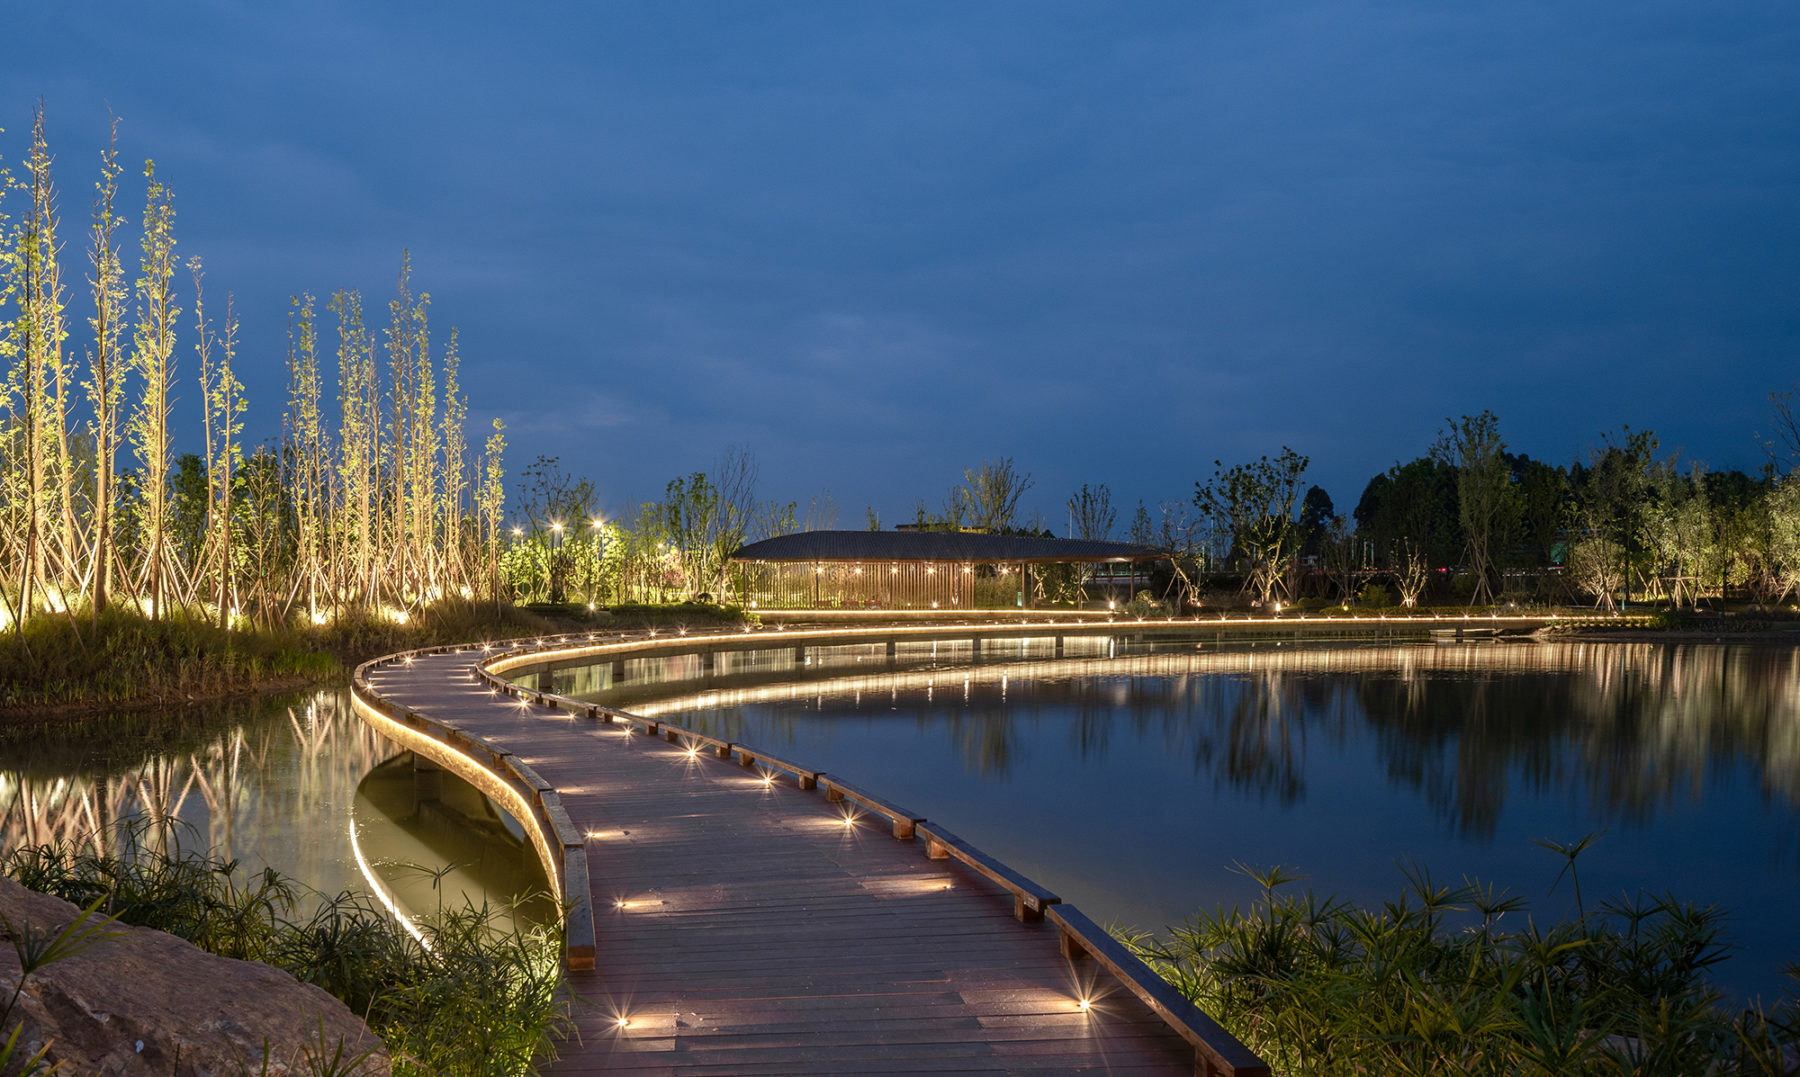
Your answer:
<point x="381" y="891"/>
<point x="414" y="739"/>
<point x="1397" y="659"/>
<point x="533" y="653"/>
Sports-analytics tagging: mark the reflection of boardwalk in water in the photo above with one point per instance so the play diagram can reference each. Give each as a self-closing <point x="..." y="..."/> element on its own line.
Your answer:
<point x="742" y="926"/>
<point x="223" y="788"/>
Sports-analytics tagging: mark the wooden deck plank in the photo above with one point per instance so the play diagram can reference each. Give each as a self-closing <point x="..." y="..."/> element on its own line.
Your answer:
<point x="764" y="936"/>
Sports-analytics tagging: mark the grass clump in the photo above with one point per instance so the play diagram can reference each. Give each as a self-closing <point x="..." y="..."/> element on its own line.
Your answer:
<point x="461" y="1000"/>
<point x="1432" y="983"/>
<point x="651" y="615"/>
<point x="124" y="657"/>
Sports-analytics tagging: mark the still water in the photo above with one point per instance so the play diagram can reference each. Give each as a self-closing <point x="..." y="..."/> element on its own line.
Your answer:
<point x="1131" y="777"/>
<point x="299" y="784"/>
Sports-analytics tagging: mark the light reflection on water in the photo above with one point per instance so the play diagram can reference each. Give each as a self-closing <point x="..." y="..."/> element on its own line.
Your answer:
<point x="1131" y="784"/>
<point x="277" y="782"/>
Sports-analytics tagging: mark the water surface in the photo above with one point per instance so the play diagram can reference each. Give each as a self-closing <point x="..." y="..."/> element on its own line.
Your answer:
<point x="1132" y="777"/>
<point x="298" y="783"/>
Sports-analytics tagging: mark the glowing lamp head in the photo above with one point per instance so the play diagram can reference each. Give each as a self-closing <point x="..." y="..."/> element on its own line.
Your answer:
<point x="1083" y="1005"/>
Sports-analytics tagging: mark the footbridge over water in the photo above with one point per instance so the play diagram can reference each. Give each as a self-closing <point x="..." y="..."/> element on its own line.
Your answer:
<point x="730" y="912"/>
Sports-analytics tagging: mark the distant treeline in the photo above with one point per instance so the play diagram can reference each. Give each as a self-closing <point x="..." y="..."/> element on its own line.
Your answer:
<point x="1468" y="520"/>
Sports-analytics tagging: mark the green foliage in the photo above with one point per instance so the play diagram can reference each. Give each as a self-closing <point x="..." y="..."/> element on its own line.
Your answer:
<point x="463" y="999"/>
<point x="1486" y="504"/>
<point x="124" y="657"/>
<point x="1435" y="982"/>
<point x="127" y="657"/>
<point x="1412" y="504"/>
<point x="1374" y="596"/>
<point x="1252" y="506"/>
<point x="1144" y="604"/>
<point x="653" y="615"/>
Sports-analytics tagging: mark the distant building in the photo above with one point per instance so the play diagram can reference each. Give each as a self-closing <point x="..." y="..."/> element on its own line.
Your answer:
<point x="913" y="570"/>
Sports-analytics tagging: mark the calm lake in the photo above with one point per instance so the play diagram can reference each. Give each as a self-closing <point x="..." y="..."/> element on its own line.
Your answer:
<point x="1131" y="777"/>
<point x="1128" y="776"/>
<point x="297" y="783"/>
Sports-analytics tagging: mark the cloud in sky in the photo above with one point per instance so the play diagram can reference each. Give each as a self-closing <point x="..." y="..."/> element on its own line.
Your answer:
<point x="878" y="243"/>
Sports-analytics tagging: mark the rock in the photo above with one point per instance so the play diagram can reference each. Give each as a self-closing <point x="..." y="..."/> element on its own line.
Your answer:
<point x="146" y="1003"/>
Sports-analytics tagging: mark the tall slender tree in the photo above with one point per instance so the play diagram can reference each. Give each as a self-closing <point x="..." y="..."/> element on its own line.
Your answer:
<point x="1474" y="448"/>
<point x="223" y="397"/>
<point x="106" y="367"/>
<point x="153" y="359"/>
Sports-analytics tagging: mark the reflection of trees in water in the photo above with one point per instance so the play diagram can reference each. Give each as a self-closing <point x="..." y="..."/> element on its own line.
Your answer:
<point x="1637" y="725"/>
<point x="241" y="782"/>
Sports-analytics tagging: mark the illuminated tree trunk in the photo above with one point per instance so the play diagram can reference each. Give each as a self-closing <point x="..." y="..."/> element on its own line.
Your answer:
<point x="306" y="436"/>
<point x="454" y="443"/>
<point x="105" y="369"/>
<point x="153" y="348"/>
<point x="491" y="503"/>
<point x="224" y="404"/>
<point x="49" y="331"/>
<point x="358" y="437"/>
<point x="1473" y="447"/>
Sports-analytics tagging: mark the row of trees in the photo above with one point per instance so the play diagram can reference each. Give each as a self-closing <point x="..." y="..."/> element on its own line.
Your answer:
<point x="372" y="501"/>
<point x="1468" y="518"/>
<point x="1624" y="522"/>
<point x="562" y="549"/>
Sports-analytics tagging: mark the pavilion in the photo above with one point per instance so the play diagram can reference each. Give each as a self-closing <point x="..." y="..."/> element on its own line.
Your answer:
<point x="916" y="570"/>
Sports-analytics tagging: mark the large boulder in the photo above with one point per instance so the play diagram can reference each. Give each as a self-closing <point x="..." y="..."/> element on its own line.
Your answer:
<point x="148" y="1003"/>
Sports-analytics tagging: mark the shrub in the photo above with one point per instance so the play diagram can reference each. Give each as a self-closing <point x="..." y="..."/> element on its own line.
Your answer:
<point x="651" y="615"/>
<point x="1144" y="604"/>
<point x="1432" y="983"/>
<point x="1374" y="596"/>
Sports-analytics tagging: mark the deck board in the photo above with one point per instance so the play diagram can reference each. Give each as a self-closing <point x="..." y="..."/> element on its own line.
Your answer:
<point x="764" y="936"/>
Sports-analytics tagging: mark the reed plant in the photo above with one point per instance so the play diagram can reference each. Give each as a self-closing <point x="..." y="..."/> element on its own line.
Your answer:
<point x="1463" y="980"/>
<point x="125" y="657"/>
<point x="461" y="998"/>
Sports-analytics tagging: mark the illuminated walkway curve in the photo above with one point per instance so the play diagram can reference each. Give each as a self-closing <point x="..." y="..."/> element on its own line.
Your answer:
<point x="741" y="926"/>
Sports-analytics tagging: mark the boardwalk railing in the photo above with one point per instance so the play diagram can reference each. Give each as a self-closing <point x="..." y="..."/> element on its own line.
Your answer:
<point x="506" y="779"/>
<point x="562" y="849"/>
<point x="1216" y="1052"/>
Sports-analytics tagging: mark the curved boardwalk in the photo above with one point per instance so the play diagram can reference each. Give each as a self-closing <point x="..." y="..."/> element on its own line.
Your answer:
<point x="758" y="933"/>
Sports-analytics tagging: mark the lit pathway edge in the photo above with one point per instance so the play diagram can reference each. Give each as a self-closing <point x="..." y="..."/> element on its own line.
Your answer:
<point x="562" y="848"/>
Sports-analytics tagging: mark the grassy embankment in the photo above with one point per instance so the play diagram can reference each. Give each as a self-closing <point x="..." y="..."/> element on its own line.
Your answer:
<point x="466" y="1001"/>
<point x="67" y="665"/>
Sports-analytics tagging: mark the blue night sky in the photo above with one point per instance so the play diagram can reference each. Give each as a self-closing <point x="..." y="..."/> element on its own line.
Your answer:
<point x="876" y="243"/>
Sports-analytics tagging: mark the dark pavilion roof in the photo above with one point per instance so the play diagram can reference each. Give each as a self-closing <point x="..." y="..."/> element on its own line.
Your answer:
<point x="965" y="546"/>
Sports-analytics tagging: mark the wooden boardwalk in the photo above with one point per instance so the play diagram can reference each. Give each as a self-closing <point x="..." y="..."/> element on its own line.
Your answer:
<point x="743" y="925"/>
